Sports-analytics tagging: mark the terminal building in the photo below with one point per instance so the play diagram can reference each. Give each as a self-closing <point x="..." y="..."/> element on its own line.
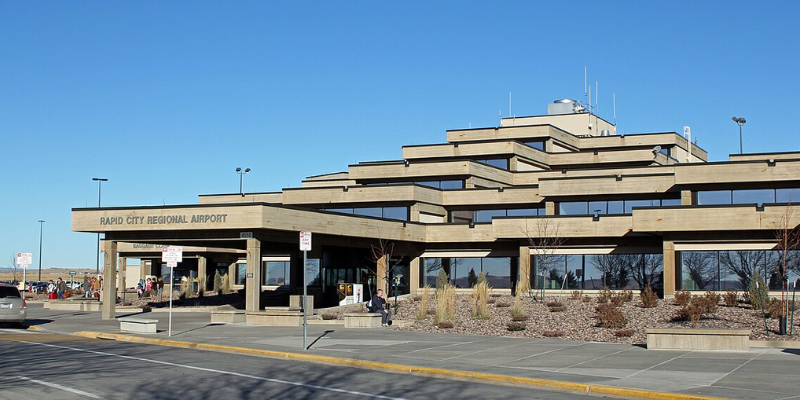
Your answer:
<point x="557" y="202"/>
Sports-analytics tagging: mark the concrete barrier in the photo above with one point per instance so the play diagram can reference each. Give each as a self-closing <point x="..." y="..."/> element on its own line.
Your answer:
<point x="74" y="305"/>
<point x="137" y="325"/>
<point x="228" y="316"/>
<point x="275" y="318"/>
<point x="698" y="339"/>
<point x="362" y="320"/>
<point x="294" y="303"/>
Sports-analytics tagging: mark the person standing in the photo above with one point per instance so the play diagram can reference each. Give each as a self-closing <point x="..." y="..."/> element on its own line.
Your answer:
<point x="160" y="285"/>
<point x="87" y="286"/>
<point x="61" y="287"/>
<point x="379" y="306"/>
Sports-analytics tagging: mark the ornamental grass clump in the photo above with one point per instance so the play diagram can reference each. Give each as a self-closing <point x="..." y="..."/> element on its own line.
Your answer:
<point x="422" y="312"/>
<point x="217" y="288"/>
<point x="445" y="303"/>
<point x="480" y="296"/>
<point x="226" y="284"/>
<point x="648" y="297"/>
<point x="517" y="313"/>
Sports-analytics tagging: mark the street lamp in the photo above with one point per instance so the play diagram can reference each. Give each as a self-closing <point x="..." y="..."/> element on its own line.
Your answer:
<point x="41" y="227"/>
<point x="99" y="193"/>
<point x="241" y="176"/>
<point x="739" y="121"/>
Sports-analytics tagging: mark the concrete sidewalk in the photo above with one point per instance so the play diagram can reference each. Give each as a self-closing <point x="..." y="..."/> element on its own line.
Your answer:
<point x="565" y="365"/>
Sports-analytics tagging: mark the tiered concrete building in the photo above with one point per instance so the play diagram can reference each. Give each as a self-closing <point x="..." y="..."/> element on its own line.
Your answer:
<point x="554" y="202"/>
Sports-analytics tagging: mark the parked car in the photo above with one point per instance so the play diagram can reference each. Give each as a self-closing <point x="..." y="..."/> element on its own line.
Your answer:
<point x="37" y="287"/>
<point x="13" y="308"/>
<point x="75" y="285"/>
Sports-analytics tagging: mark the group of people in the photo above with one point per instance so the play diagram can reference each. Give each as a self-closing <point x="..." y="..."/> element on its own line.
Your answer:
<point x="57" y="289"/>
<point x="92" y="286"/>
<point x="150" y="287"/>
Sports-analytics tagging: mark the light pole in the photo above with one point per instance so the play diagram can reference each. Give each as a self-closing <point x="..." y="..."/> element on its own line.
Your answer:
<point x="241" y="176"/>
<point x="739" y="121"/>
<point x="41" y="227"/>
<point x="99" y="193"/>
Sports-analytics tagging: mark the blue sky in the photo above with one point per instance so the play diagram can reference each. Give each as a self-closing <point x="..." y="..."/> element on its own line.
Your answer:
<point x="166" y="99"/>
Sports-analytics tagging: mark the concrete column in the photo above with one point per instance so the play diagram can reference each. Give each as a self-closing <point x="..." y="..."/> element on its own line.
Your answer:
<point x="145" y="269"/>
<point x="109" y="297"/>
<point x="202" y="273"/>
<point x="413" y="275"/>
<point x="524" y="284"/>
<point x="669" y="269"/>
<point x="549" y="208"/>
<point x="686" y="198"/>
<point x="414" y="212"/>
<point x="253" y="279"/>
<point x="121" y="278"/>
<point x="381" y="271"/>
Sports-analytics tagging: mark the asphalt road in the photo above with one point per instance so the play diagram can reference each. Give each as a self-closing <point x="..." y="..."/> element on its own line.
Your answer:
<point x="44" y="365"/>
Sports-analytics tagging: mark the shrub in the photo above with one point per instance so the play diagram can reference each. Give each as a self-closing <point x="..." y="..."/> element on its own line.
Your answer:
<point x="759" y="292"/>
<point x="690" y="312"/>
<point x="502" y="304"/>
<point x="730" y="298"/>
<point x="553" y="333"/>
<point x="683" y="297"/>
<point x="444" y="325"/>
<point x="557" y="309"/>
<point x="609" y="316"/>
<point x="624" y="332"/>
<point x="480" y="295"/>
<point x="774" y="308"/>
<point x="328" y="317"/>
<point x="604" y="296"/>
<point x="217" y="283"/>
<point x="707" y="304"/>
<point x="712" y="299"/>
<point x="576" y="295"/>
<point x="422" y="312"/>
<point x="554" y="304"/>
<point x="226" y="284"/>
<point x="495" y="295"/>
<point x="519" y="317"/>
<point x="648" y="297"/>
<point x="515" y="326"/>
<point x="586" y="299"/>
<point x="442" y="279"/>
<point x="626" y="296"/>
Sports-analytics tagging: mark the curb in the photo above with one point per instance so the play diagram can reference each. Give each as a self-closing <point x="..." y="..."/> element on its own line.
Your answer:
<point x="425" y="371"/>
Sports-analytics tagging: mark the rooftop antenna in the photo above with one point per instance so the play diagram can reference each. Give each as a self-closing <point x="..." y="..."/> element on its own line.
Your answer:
<point x="614" y="100"/>
<point x="585" y="85"/>
<point x="591" y="111"/>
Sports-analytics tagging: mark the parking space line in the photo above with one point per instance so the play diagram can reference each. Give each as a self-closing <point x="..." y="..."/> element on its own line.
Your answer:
<point x="60" y="387"/>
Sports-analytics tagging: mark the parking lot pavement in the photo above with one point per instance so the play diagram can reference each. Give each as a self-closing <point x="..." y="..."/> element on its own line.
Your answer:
<point x="757" y="374"/>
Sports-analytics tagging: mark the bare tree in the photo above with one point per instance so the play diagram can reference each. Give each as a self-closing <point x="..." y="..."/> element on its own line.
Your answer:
<point x="16" y="273"/>
<point x="384" y="265"/>
<point x="787" y="235"/>
<point x="544" y="239"/>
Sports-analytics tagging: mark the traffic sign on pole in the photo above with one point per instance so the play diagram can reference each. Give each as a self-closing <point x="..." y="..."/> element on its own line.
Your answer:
<point x="305" y="241"/>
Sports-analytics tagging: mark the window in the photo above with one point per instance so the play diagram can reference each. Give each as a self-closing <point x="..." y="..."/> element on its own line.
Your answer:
<point x="369" y="212"/>
<point x="524" y="212"/>
<point x="501" y="163"/>
<point x="398" y="213"/>
<point x="611" y="206"/>
<point x="464" y="271"/>
<point x="241" y="273"/>
<point x="595" y="272"/>
<point x="313" y="277"/>
<point x="487" y="215"/>
<point x="573" y="208"/>
<point x="790" y="195"/>
<point x="757" y="196"/>
<point x="276" y="273"/>
<point x="709" y="197"/>
<point x="536" y="144"/>
<point x="734" y="269"/>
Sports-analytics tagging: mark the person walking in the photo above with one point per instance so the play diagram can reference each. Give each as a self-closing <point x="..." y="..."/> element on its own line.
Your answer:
<point x="87" y="287"/>
<point x="379" y="306"/>
<point x="61" y="287"/>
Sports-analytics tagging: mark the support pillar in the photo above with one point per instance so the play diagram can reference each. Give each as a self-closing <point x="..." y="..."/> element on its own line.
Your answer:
<point x="524" y="284"/>
<point x="413" y="275"/>
<point x="549" y="208"/>
<point x="381" y="274"/>
<point x="109" y="297"/>
<point x="253" y="277"/>
<point x="123" y="264"/>
<point x="686" y="198"/>
<point x="669" y="268"/>
<point x="202" y="273"/>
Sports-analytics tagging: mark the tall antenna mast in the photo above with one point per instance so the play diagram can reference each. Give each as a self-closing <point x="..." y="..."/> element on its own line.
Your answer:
<point x="585" y="85"/>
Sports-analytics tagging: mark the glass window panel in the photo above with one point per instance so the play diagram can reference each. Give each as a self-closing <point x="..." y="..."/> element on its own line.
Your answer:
<point x="790" y="195"/>
<point x="341" y="210"/>
<point x="614" y="269"/>
<point x="574" y="272"/>
<point x="709" y="197"/>
<point x="456" y="184"/>
<point x="629" y="204"/>
<point x="670" y="202"/>
<point x="592" y="275"/>
<point x="433" y="184"/>
<point x="459" y="270"/>
<point x="399" y="213"/>
<point x="601" y="207"/>
<point x="461" y="216"/>
<point x="699" y="270"/>
<point x="616" y="207"/>
<point x="431" y="268"/>
<point x="573" y="208"/>
<point x="368" y="211"/>
<point x="757" y="196"/>
<point x="276" y="273"/>
<point x="313" y="277"/>
<point x="241" y="273"/>
<point x="737" y="266"/>
<point x="498" y="271"/>
<point x="536" y="144"/>
<point x="487" y="215"/>
<point x="501" y="163"/>
<point x="524" y="212"/>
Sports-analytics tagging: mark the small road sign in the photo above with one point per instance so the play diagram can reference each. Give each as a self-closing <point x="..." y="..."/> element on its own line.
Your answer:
<point x="24" y="259"/>
<point x="305" y="241"/>
<point x="171" y="254"/>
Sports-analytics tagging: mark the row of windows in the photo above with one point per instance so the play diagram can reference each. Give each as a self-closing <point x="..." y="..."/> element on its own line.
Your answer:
<point x="444" y="185"/>
<point x="611" y="206"/>
<point x="723" y="270"/>
<point x="501" y="163"/>
<point x="748" y="196"/>
<point x="463" y="272"/>
<point x="398" y="213"/>
<point x="278" y="273"/>
<point x="487" y="215"/>
<point x="595" y="272"/>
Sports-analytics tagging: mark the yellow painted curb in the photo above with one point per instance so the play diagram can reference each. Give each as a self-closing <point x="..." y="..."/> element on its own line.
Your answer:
<point x="34" y="328"/>
<point x="503" y="379"/>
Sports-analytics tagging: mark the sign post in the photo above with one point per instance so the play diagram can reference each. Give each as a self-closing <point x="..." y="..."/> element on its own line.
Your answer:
<point x="172" y="255"/>
<point x="305" y="247"/>
<point x="24" y="260"/>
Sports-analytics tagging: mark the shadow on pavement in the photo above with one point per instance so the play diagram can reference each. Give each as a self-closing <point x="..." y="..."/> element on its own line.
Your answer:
<point x="318" y="338"/>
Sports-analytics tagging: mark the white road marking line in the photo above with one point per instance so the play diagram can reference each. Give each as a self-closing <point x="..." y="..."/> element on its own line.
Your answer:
<point x="60" y="387"/>
<point x="594" y="359"/>
<point x="653" y="366"/>
<point x="300" y="384"/>
<point x="735" y="369"/>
